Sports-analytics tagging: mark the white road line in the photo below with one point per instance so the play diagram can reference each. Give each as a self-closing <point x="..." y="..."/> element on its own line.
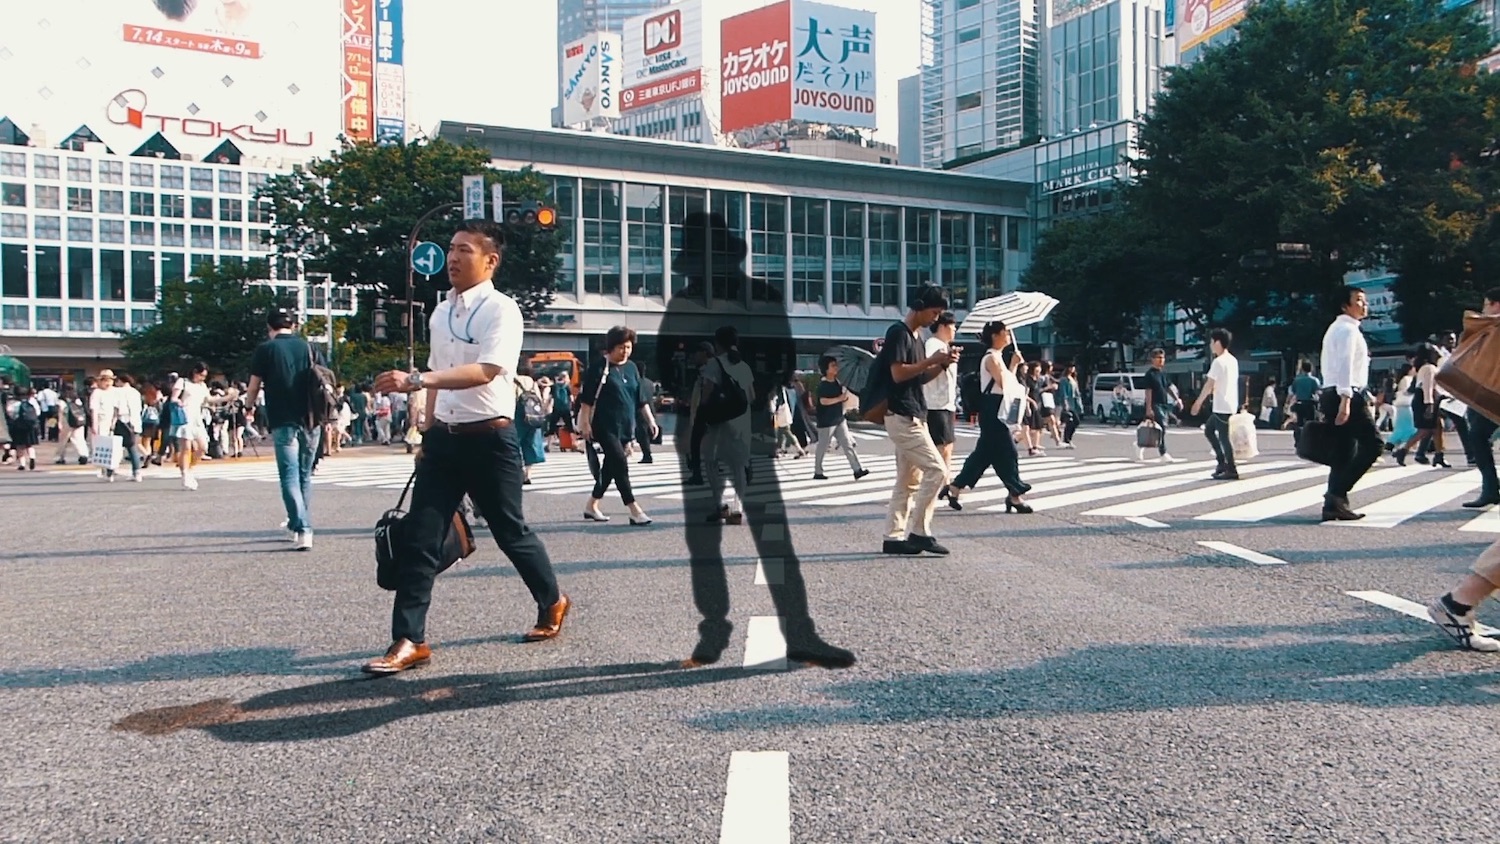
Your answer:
<point x="1085" y="496"/>
<point x="777" y="572"/>
<point x="765" y="647"/>
<point x="1392" y="511"/>
<point x="1291" y="502"/>
<point x="1243" y="553"/>
<point x="757" y="799"/>
<point x="1146" y="523"/>
<point x="1227" y="489"/>
<point x="1488" y="521"/>
<point x="1411" y="608"/>
<point x="1094" y="475"/>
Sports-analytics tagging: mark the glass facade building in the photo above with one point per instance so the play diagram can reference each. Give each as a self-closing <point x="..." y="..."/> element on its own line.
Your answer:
<point x="1104" y="63"/>
<point x="981" y="77"/>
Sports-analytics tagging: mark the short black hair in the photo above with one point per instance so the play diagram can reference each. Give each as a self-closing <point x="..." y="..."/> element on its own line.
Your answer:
<point x="825" y="361"/>
<point x="200" y="366"/>
<point x="1222" y="335"/>
<point x="281" y="318"/>
<point x="1347" y="295"/>
<point x="485" y="229"/>
<point x="987" y="334"/>
<point x="944" y="318"/>
<point x="928" y="296"/>
<point x="618" y="336"/>
<point x="726" y="337"/>
<point x="1493" y="294"/>
<point x="1307" y="366"/>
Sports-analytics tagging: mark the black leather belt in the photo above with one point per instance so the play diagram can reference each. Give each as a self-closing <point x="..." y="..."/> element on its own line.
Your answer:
<point x="483" y="426"/>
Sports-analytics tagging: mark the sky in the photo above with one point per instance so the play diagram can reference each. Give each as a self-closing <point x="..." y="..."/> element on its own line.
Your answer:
<point x="494" y="61"/>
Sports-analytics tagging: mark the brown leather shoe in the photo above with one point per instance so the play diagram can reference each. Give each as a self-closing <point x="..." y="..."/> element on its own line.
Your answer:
<point x="401" y="655"/>
<point x="549" y="621"/>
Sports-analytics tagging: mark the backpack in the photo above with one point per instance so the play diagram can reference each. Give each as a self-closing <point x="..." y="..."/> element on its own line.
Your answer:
<point x="531" y="408"/>
<point x="322" y="393"/>
<point x="150" y="415"/>
<point x="26" y="413"/>
<point x="727" y="401"/>
<point x="76" y="419"/>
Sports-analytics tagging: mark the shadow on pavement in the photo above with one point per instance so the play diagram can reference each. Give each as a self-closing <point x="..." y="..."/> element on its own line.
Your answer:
<point x="343" y="708"/>
<point x="1107" y="679"/>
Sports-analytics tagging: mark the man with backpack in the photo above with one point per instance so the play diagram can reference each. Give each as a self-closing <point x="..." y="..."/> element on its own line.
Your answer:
<point x="295" y="414"/>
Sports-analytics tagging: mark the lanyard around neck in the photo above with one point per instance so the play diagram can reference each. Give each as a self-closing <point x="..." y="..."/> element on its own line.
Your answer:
<point x="468" y="336"/>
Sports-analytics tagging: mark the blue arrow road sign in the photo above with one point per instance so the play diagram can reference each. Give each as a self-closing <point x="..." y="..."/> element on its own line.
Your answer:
<point x="428" y="258"/>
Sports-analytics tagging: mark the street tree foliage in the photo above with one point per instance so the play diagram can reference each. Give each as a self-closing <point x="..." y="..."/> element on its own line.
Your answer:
<point x="217" y="316"/>
<point x="350" y="215"/>
<point x="1360" y="130"/>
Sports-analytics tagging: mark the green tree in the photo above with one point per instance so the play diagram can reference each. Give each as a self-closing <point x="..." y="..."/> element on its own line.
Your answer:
<point x="1327" y="123"/>
<point x="350" y="215"/>
<point x="217" y="316"/>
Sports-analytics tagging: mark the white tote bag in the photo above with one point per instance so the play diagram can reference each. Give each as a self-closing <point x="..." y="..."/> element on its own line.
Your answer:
<point x="106" y="451"/>
<point x="1242" y="437"/>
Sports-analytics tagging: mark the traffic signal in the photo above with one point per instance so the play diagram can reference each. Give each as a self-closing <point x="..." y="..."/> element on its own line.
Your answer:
<point x="379" y="319"/>
<point x="532" y="214"/>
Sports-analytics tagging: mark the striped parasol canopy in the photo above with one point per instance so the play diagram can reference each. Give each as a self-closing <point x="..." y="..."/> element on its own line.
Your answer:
<point x="1016" y="309"/>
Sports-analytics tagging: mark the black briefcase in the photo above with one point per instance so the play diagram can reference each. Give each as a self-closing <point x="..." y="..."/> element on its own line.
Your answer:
<point x="1318" y="443"/>
<point x="458" y="541"/>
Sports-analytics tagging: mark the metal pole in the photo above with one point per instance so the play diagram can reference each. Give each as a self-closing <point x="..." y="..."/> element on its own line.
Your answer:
<point x="328" y="307"/>
<point x="411" y="245"/>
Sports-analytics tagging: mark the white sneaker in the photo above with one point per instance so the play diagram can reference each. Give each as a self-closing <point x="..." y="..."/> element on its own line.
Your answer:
<point x="1140" y="455"/>
<point x="1460" y="628"/>
<point x="189" y="482"/>
<point x="1167" y="458"/>
<point x="304" y="540"/>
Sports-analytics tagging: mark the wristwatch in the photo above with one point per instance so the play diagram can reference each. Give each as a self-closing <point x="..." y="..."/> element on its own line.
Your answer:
<point x="414" y="381"/>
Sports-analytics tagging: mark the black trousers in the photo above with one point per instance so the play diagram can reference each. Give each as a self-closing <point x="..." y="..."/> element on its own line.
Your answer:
<point x="994" y="450"/>
<point x="487" y="468"/>
<point x="1216" y="428"/>
<point x="1482" y="450"/>
<point x="695" y="446"/>
<point x="1070" y="426"/>
<point x="614" y="468"/>
<point x="643" y="435"/>
<point x="1359" y="444"/>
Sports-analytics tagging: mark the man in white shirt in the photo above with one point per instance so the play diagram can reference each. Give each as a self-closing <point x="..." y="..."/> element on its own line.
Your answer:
<point x="1224" y="386"/>
<point x="46" y="399"/>
<point x="469" y="446"/>
<point x="1345" y="402"/>
<point x="941" y="393"/>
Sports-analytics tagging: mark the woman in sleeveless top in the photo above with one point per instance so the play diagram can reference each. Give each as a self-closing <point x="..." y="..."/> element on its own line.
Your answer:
<point x="995" y="449"/>
<point x="1424" y="408"/>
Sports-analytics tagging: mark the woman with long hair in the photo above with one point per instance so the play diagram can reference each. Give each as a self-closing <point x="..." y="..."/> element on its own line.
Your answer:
<point x="610" y="400"/>
<point x="995" y="448"/>
<point x="1424" y="407"/>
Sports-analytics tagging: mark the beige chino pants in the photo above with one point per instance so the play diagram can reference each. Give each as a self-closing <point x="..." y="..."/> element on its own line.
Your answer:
<point x="919" y="476"/>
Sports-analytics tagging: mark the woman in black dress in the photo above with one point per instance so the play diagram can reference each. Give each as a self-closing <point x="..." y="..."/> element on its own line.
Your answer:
<point x="610" y="399"/>
<point x="25" y="427"/>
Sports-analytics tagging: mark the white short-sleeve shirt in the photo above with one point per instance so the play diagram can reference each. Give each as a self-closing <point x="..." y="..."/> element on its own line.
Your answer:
<point x="941" y="392"/>
<point x="480" y="325"/>
<point x="1225" y="371"/>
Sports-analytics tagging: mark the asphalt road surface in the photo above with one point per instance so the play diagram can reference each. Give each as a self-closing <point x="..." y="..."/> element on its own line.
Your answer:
<point x="1151" y="656"/>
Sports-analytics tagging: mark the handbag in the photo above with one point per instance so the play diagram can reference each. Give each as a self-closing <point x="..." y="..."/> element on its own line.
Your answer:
<point x="1472" y="373"/>
<point x="727" y="401"/>
<point x="106" y="451"/>
<point x="1319" y="443"/>
<point x="1147" y="435"/>
<point x="1242" y="436"/>
<point x="458" y="541"/>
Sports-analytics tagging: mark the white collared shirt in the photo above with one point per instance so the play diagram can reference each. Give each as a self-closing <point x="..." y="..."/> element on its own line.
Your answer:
<point x="1346" y="356"/>
<point x="480" y="325"/>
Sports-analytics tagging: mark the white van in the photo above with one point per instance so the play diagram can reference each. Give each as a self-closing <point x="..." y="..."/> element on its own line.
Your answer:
<point x="1103" y="392"/>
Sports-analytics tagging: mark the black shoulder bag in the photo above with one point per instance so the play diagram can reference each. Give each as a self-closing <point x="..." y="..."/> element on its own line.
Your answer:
<point x="458" y="541"/>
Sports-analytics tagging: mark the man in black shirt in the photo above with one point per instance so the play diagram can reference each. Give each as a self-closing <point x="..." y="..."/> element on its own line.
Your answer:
<point x="900" y="371"/>
<point x="1159" y="401"/>
<point x="281" y="367"/>
<point x="830" y="420"/>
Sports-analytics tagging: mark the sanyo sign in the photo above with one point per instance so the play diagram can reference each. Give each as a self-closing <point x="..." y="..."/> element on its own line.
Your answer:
<point x="591" y="78"/>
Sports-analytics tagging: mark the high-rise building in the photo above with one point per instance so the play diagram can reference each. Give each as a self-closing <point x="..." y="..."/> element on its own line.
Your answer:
<point x="577" y="18"/>
<point x="1104" y="63"/>
<point x="981" y="77"/>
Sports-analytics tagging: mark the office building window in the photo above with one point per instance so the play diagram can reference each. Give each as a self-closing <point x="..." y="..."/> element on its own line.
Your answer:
<point x="232" y="210"/>
<point x="171" y="177"/>
<point x="885" y="256"/>
<point x="111" y="202"/>
<point x="12" y="225"/>
<point x="80" y="170"/>
<point x="45" y="166"/>
<point x="142" y="174"/>
<point x="12" y="164"/>
<point x="601" y="237"/>
<point x="80" y="230"/>
<point x="203" y="208"/>
<point x="260" y="212"/>
<point x="13" y="195"/>
<point x="81" y="275"/>
<point x="258" y="181"/>
<point x="111" y="231"/>
<point x="848" y="253"/>
<point x="730" y="205"/>
<point x="48" y="228"/>
<point x="768" y="246"/>
<point x="202" y="179"/>
<point x="645" y="236"/>
<point x="110" y="173"/>
<point x="171" y="234"/>
<point x="202" y="237"/>
<point x="49" y="318"/>
<point x="683" y="202"/>
<point x="809" y="249"/>
<point x="142" y="317"/>
<point x="15" y="317"/>
<point x="142" y="277"/>
<point x="112" y="275"/>
<point x="48" y="196"/>
<point x="955" y="258"/>
<point x="142" y="204"/>
<point x="142" y="233"/>
<point x="48" y="273"/>
<point x="111" y="319"/>
<point x="172" y="205"/>
<point x="81" y="199"/>
<point x="989" y="256"/>
<point x="15" y="270"/>
<point x="173" y="268"/>
<point x="564" y="199"/>
<point x="920" y="231"/>
<point x="965" y="102"/>
<point x="80" y="319"/>
<point x="229" y="181"/>
<point x="231" y="237"/>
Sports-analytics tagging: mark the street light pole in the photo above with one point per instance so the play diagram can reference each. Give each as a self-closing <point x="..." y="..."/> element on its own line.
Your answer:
<point x="411" y="245"/>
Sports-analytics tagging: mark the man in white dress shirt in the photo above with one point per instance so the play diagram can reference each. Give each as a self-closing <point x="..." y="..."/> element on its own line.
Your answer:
<point x="1223" y="385"/>
<point x="1346" y="403"/>
<point x="941" y="393"/>
<point x="469" y="446"/>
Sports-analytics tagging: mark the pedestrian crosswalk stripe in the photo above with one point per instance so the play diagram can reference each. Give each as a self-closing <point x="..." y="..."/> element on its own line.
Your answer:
<point x="1227" y="489"/>
<point x="1486" y="522"/>
<point x="1291" y="502"/>
<point x="1411" y="608"/>
<point x="1137" y="488"/>
<point x="1392" y="511"/>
